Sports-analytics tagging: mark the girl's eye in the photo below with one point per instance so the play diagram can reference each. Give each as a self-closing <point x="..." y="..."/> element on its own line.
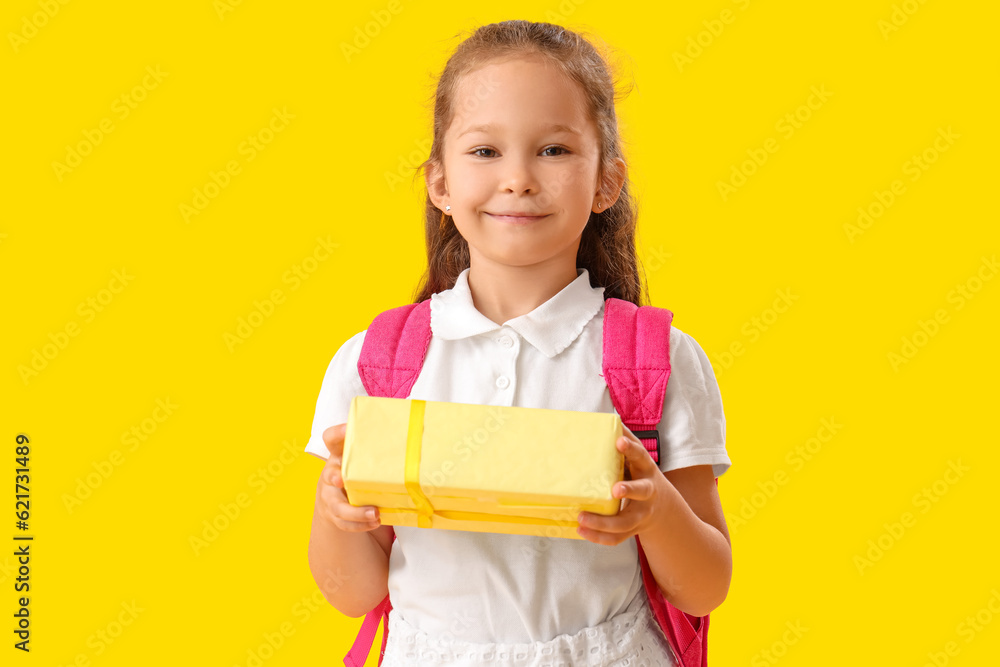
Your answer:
<point x="477" y="151"/>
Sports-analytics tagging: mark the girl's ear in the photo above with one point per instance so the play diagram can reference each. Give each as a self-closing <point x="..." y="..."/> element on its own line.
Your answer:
<point x="612" y="183"/>
<point x="437" y="189"/>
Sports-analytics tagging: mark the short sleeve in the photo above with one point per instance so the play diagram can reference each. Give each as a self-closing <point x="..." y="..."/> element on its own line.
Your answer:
<point x="693" y="425"/>
<point x="340" y="384"/>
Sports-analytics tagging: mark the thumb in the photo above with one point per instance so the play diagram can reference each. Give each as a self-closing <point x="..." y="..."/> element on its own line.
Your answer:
<point x="333" y="438"/>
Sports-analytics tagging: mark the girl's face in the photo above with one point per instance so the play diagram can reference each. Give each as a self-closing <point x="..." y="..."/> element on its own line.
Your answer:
<point x="520" y="143"/>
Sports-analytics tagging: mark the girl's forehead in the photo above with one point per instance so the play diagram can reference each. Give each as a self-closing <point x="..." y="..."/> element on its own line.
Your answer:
<point x="522" y="92"/>
<point x="527" y="68"/>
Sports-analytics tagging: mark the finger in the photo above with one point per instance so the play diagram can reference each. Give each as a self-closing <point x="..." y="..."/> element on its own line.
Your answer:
<point x="355" y="526"/>
<point x="364" y="514"/>
<point x="332" y="474"/>
<point x="601" y="537"/>
<point x="625" y="522"/>
<point x="333" y="438"/>
<point x="636" y="455"/>
<point x="638" y="489"/>
<point x="627" y="432"/>
<point x="343" y="510"/>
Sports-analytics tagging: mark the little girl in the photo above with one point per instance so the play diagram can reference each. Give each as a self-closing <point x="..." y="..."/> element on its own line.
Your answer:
<point x="530" y="226"/>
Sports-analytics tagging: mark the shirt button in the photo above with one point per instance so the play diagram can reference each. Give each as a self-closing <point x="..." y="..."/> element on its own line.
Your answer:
<point x="506" y="341"/>
<point x="502" y="382"/>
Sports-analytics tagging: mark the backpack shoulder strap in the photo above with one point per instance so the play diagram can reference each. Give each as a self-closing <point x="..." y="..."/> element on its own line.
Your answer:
<point x="394" y="348"/>
<point x="687" y="635"/>
<point x="362" y="646"/>
<point x="392" y="355"/>
<point x="636" y="364"/>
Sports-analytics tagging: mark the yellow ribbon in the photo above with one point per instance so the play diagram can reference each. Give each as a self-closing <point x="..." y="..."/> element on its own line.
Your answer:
<point x="414" y="438"/>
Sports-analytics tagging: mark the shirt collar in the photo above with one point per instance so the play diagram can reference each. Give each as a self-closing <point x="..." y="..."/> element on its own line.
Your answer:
<point x="551" y="327"/>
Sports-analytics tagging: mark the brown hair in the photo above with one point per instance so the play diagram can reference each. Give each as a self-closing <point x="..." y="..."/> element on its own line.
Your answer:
<point x="607" y="246"/>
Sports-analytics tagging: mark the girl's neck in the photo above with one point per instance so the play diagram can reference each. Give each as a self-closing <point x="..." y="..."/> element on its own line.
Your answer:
<point x="502" y="292"/>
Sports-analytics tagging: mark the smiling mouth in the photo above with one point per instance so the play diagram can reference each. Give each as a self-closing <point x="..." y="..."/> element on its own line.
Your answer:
<point x="517" y="219"/>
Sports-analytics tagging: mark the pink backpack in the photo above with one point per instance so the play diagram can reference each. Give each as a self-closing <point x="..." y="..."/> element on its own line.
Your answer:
<point x="636" y="368"/>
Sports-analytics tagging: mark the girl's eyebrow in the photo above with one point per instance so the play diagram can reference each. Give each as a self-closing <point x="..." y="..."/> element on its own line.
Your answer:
<point x="554" y="128"/>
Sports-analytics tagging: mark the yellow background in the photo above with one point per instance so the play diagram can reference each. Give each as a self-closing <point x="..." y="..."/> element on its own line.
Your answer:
<point x="340" y="170"/>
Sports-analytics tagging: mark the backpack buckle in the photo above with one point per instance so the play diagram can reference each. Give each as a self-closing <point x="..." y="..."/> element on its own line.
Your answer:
<point x="650" y="435"/>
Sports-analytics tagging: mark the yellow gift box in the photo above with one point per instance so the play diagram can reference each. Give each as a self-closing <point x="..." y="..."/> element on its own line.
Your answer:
<point x="481" y="468"/>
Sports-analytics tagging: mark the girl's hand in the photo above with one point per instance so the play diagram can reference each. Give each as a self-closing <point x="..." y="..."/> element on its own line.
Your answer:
<point x="647" y="495"/>
<point x="331" y="501"/>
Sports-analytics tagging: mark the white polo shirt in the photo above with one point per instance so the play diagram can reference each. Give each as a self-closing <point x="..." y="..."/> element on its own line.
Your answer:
<point x="491" y="587"/>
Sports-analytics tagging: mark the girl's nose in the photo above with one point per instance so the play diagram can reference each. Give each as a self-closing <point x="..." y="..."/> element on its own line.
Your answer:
<point x="518" y="177"/>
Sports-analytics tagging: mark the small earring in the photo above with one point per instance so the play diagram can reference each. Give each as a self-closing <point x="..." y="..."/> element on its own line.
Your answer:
<point x="600" y="205"/>
<point x="447" y="208"/>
